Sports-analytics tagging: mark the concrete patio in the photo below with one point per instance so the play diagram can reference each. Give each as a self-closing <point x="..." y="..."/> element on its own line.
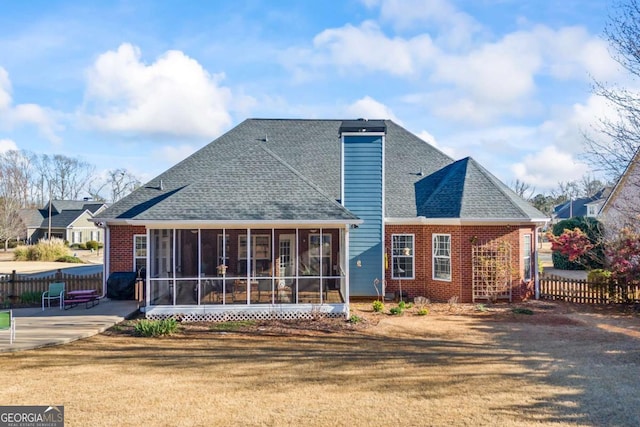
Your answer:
<point x="36" y="328"/>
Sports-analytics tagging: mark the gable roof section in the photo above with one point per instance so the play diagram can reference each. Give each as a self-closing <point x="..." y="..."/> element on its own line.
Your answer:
<point x="246" y="182"/>
<point x="466" y="190"/>
<point x="290" y="169"/>
<point x="31" y="218"/>
<point x="70" y="205"/>
<point x="578" y="207"/>
<point x="629" y="178"/>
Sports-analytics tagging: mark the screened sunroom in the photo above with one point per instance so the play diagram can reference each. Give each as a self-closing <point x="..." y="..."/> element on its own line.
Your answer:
<point x="236" y="273"/>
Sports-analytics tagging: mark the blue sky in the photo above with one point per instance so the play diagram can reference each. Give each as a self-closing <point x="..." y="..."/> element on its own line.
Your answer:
<point x="142" y="84"/>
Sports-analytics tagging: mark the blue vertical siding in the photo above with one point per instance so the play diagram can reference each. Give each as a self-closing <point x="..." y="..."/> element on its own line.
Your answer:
<point x="363" y="195"/>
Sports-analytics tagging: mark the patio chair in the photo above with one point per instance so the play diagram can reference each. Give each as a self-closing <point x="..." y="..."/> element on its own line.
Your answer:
<point x="8" y="322"/>
<point x="56" y="291"/>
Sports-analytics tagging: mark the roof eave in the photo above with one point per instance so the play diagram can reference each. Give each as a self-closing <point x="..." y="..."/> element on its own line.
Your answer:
<point x="226" y="223"/>
<point x="466" y="221"/>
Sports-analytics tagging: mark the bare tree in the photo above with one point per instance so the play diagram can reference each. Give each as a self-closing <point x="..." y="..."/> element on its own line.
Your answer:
<point x="618" y="139"/>
<point x="589" y="185"/>
<point x="122" y="183"/>
<point x="15" y="173"/>
<point x="65" y="177"/>
<point x="522" y="189"/>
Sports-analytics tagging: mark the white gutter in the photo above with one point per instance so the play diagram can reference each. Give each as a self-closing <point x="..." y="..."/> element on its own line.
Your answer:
<point x="536" y="274"/>
<point x="470" y="221"/>
<point x="229" y="223"/>
<point x="105" y="266"/>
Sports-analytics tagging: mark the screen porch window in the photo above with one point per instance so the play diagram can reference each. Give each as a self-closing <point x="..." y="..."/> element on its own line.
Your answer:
<point x="320" y="254"/>
<point x="526" y="258"/>
<point x="139" y="252"/>
<point x="260" y="253"/>
<point x="442" y="256"/>
<point x="402" y="256"/>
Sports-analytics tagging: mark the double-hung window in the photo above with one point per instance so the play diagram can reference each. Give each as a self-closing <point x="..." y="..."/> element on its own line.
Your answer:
<point x="526" y="257"/>
<point x="139" y="252"/>
<point x="442" y="256"/>
<point x="402" y="256"/>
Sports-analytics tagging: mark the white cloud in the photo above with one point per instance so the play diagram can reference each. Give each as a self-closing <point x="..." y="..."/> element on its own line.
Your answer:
<point x="174" y="95"/>
<point x="7" y="145"/>
<point x="431" y="140"/>
<point x="366" y="46"/>
<point x="12" y="116"/>
<point x="549" y="166"/>
<point x="454" y="27"/>
<point x="369" y="108"/>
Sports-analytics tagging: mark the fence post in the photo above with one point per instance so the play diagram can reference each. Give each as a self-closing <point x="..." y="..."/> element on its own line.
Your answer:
<point x="12" y="291"/>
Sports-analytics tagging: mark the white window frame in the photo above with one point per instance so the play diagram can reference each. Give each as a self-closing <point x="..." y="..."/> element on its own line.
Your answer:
<point x="434" y="256"/>
<point x="403" y="255"/>
<point x="135" y="249"/>
<point x="526" y="257"/>
<point x="320" y="250"/>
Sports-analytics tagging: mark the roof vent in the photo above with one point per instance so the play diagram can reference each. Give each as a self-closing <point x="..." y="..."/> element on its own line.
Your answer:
<point x="421" y="173"/>
<point x="161" y="185"/>
<point x="363" y="126"/>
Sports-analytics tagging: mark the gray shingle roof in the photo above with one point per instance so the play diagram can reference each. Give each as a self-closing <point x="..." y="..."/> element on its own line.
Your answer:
<point x="466" y="190"/>
<point x="226" y="182"/>
<point x="69" y="205"/>
<point x="275" y="169"/>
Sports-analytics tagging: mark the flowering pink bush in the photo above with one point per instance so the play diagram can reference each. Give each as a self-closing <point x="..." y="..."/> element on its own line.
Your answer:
<point x="571" y="243"/>
<point x="624" y="258"/>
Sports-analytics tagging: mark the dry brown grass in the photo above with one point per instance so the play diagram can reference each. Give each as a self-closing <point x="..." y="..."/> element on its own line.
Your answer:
<point x="452" y="367"/>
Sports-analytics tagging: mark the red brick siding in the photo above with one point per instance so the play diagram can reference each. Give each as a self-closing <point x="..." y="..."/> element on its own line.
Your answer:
<point x="462" y="238"/>
<point x="121" y="246"/>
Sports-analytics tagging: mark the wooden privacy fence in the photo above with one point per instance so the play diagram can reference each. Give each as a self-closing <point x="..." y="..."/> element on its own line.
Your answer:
<point x="585" y="292"/>
<point x="15" y="285"/>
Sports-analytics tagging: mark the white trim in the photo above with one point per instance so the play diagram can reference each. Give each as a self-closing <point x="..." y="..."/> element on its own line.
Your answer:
<point x="524" y="252"/>
<point x="362" y="133"/>
<point x="135" y="247"/>
<point x="107" y="260"/>
<point x="231" y="223"/>
<point x="413" y="257"/>
<point x="384" y="209"/>
<point x="471" y="221"/>
<point x="342" y="170"/>
<point x="433" y="258"/>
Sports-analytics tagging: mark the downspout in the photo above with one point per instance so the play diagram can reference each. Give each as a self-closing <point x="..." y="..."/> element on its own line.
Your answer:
<point x="345" y="254"/>
<point x="536" y="274"/>
<point x="105" y="267"/>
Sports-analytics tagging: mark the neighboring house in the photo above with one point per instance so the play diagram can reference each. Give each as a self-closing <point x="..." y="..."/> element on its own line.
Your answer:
<point x="582" y="207"/>
<point x="622" y="207"/>
<point x="69" y="220"/>
<point x="292" y="217"/>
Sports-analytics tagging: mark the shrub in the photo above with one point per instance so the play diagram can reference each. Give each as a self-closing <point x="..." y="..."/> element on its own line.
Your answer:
<point x="156" y="328"/>
<point x="44" y="250"/>
<point x="402" y="305"/>
<point x="423" y="311"/>
<point x="20" y="253"/>
<point x="92" y="245"/>
<point x="355" y="319"/>
<point x="396" y="310"/>
<point x="31" y="297"/>
<point x="70" y="259"/>
<point x="378" y="306"/>
<point x="594" y="257"/>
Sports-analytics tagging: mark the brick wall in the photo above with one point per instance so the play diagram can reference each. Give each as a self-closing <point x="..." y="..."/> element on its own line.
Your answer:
<point x="121" y="246"/>
<point x="462" y="238"/>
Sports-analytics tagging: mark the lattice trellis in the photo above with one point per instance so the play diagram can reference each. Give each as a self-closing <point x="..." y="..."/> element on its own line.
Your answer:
<point x="236" y="315"/>
<point x="492" y="270"/>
